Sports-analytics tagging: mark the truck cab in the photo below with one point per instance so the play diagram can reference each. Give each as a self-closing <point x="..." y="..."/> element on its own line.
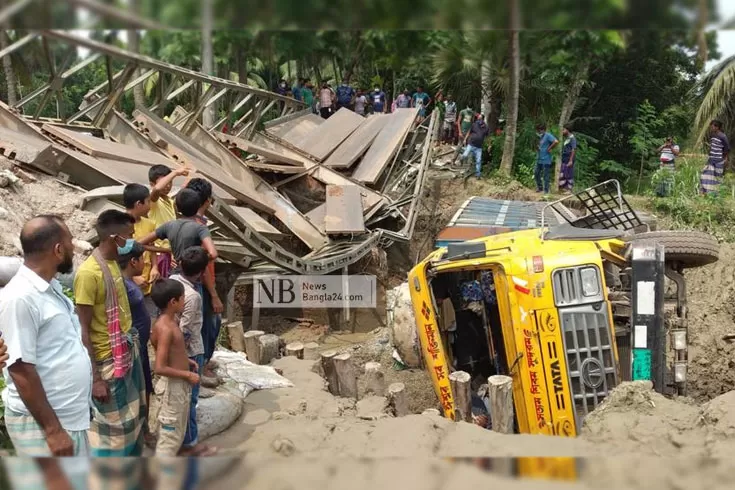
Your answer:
<point x="552" y="306"/>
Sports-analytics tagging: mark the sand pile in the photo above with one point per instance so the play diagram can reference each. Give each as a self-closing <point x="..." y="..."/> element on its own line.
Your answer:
<point x="44" y="196"/>
<point x="711" y="316"/>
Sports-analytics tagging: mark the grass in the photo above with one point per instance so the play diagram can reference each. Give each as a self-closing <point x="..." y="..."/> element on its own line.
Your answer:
<point x="685" y="208"/>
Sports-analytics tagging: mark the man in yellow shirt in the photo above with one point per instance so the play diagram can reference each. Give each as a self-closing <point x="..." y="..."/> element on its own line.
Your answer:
<point x="162" y="208"/>
<point x="118" y="385"/>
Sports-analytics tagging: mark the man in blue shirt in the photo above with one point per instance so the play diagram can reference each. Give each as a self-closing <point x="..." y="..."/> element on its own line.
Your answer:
<point x="296" y="90"/>
<point x="377" y="99"/>
<point x="421" y="101"/>
<point x="547" y="143"/>
<point x="475" y="140"/>
<point x="345" y="95"/>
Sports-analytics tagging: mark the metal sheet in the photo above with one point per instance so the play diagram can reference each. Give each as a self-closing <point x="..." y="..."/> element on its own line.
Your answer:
<point x="385" y="146"/>
<point x="272" y="154"/>
<point x="27" y="149"/>
<point x="372" y="201"/>
<point x="257" y="222"/>
<point x="357" y="143"/>
<point x="324" y="139"/>
<point x="295" y="130"/>
<point x="344" y="210"/>
<point x="99" y="147"/>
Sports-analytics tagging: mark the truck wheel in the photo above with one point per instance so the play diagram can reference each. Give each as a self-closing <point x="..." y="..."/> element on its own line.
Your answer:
<point x="688" y="248"/>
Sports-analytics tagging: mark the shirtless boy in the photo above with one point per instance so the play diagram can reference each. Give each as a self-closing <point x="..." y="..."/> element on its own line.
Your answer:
<point x="173" y="367"/>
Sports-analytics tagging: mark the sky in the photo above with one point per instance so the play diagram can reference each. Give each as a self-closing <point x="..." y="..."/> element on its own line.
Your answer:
<point x="725" y="39"/>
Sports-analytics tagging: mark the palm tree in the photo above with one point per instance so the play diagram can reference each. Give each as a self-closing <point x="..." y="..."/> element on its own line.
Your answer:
<point x="506" y="164"/>
<point x="717" y="89"/>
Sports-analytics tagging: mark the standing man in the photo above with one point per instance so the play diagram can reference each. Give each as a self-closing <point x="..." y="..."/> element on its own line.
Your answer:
<point x="568" y="151"/>
<point x="421" y="101"/>
<point x="307" y="94"/>
<point x="667" y="164"/>
<point x="297" y="89"/>
<point x="49" y="375"/>
<point x="360" y="103"/>
<point x="403" y="101"/>
<point x="547" y="142"/>
<point x="474" y="140"/>
<point x="464" y="122"/>
<point x="326" y="99"/>
<point x="450" y="120"/>
<point x="719" y="149"/>
<point x="118" y="389"/>
<point x="345" y="95"/>
<point x="377" y="99"/>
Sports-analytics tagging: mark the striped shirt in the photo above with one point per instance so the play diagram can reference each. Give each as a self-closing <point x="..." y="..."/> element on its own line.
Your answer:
<point x="718" y="146"/>
<point x="668" y="153"/>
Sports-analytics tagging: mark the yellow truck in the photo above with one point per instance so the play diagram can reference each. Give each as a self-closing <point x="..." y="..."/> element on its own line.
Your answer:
<point x="567" y="298"/>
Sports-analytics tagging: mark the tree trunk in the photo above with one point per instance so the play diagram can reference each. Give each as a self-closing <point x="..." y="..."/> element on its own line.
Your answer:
<point x="567" y="108"/>
<point x="702" y="17"/>
<point x="495" y="110"/>
<point x="207" y="54"/>
<point x="355" y="57"/>
<point x="506" y="165"/>
<point x="486" y="89"/>
<point x="8" y="67"/>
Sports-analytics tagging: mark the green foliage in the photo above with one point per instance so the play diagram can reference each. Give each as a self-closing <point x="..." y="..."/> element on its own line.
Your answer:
<point x="687" y="209"/>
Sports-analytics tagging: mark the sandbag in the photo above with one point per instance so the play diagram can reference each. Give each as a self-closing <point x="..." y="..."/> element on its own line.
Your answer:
<point x="217" y="413"/>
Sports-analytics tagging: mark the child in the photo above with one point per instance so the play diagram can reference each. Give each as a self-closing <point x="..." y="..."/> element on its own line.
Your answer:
<point x="137" y="201"/>
<point x="173" y="368"/>
<point x="211" y="302"/>
<point x="132" y="265"/>
<point x="162" y="208"/>
<point x="193" y="262"/>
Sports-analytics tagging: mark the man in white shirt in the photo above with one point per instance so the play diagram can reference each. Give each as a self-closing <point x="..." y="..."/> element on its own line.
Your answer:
<point x="49" y="374"/>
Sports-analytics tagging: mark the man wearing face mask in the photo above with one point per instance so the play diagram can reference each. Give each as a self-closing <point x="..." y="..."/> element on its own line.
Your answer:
<point x="118" y="388"/>
<point x="49" y="375"/>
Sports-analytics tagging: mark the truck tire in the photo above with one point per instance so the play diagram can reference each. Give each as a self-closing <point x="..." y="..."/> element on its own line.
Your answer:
<point x="689" y="249"/>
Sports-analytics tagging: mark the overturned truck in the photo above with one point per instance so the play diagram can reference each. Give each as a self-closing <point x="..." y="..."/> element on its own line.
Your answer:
<point x="568" y="298"/>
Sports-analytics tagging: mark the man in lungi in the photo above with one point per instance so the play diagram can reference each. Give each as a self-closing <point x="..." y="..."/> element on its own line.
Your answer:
<point x="49" y="374"/>
<point x="118" y="387"/>
<point x="719" y="148"/>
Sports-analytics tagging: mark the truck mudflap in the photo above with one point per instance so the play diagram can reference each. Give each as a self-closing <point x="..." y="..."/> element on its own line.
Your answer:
<point x="432" y="350"/>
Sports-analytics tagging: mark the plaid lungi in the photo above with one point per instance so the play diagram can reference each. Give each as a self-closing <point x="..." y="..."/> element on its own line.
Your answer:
<point x="712" y="176"/>
<point x="29" y="440"/>
<point x="117" y="425"/>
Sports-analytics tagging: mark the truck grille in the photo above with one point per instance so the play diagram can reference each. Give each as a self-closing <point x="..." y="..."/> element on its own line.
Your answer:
<point x="590" y="357"/>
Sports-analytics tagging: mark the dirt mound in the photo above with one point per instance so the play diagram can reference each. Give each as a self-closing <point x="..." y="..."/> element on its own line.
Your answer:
<point x="634" y="414"/>
<point x="44" y="196"/>
<point x="711" y="315"/>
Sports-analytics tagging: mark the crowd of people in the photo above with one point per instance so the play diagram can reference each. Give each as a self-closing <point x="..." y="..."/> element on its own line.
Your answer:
<point x="78" y="375"/>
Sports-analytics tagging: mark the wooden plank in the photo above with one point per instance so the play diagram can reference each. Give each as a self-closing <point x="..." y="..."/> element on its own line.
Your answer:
<point x="357" y="143"/>
<point x="385" y="146"/>
<point x="324" y="139"/>
<point x="258" y="223"/>
<point x="343" y="210"/>
<point x="99" y="147"/>
<point x="295" y="130"/>
<point x="271" y="154"/>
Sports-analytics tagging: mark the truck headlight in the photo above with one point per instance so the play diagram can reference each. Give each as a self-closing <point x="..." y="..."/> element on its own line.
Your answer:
<point x="590" y="281"/>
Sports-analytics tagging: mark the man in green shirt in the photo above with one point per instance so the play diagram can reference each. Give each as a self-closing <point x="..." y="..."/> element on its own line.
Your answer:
<point x="307" y="93"/>
<point x="464" y="122"/>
